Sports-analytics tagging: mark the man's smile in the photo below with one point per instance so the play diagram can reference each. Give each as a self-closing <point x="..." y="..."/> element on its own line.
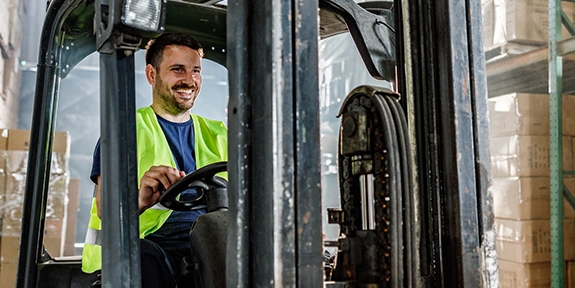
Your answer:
<point x="185" y="93"/>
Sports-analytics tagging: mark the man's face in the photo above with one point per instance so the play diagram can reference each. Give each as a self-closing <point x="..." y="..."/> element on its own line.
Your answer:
<point x="178" y="80"/>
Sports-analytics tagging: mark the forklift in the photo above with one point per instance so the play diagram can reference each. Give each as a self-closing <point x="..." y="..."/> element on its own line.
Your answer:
<point x="413" y="160"/>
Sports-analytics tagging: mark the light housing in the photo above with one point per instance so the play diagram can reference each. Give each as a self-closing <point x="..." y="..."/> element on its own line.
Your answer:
<point x="144" y="15"/>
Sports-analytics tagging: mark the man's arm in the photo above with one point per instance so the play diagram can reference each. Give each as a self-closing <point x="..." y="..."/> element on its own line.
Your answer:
<point x="98" y="196"/>
<point x="154" y="182"/>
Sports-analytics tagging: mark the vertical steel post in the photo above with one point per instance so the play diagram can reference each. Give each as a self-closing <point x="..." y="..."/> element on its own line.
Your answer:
<point x="556" y="144"/>
<point x="488" y="252"/>
<point x="38" y="174"/>
<point x="272" y="214"/>
<point x="274" y="114"/>
<point x="448" y="106"/>
<point x="405" y="84"/>
<point x="307" y="143"/>
<point x="119" y="190"/>
<point x="238" y="64"/>
<point x="39" y="159"/>
<point x="415" y="77"/>
<point x="461" y="232"/>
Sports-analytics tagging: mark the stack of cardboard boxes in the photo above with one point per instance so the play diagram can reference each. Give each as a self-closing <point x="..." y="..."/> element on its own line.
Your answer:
<point x="13" y="168"/>
<point x="520" y="145"/>
<point x="512" y="27"/>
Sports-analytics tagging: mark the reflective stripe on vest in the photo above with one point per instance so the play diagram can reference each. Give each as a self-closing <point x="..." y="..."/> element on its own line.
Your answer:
<point x="210" y="145"/>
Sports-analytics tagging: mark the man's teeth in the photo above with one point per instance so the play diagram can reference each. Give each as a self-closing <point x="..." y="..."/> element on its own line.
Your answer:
<point x="187" y="91"/>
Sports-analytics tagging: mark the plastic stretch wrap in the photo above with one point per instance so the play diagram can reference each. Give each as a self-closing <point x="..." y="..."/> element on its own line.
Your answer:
<point x="519" y="22"/>
<point x="16" y="166"/>
<point x="526" y="198"/>
<point x="530" y="241"/>
<point x="14" y="145"/>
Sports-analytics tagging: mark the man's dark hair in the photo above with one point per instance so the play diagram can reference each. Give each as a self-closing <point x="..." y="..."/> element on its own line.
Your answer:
<point x="155" y="47"/>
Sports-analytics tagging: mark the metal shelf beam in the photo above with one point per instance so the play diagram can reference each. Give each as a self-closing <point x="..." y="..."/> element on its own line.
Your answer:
<point x="556" y="145"/>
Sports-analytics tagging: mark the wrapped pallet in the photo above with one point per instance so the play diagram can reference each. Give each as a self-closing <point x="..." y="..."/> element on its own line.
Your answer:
<point x="526" y="198"/>
<point x="518" y="26"/>
<point x="15" y="159"/>
<point x="520" y="157"/>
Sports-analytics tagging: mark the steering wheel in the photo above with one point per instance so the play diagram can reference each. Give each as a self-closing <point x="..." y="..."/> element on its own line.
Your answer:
<point x="212" y="189"/>
<point x="208" y="234"/>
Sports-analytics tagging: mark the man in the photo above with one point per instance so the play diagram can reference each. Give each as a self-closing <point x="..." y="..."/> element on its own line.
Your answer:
<point x="171" y="142"/>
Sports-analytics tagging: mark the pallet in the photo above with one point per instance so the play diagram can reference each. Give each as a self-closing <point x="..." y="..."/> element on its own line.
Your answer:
<point x="509" y="49"/>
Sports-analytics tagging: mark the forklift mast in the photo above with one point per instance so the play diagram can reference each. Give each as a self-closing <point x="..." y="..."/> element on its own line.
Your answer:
<point x="431" y="52"/>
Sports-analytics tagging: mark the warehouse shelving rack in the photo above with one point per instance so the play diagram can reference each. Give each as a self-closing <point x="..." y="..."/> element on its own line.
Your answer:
<point x="556" y="144"/>
<point x="523" y="73"/>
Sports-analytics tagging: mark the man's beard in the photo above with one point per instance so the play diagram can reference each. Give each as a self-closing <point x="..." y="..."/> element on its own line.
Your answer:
<point x="169" y="100"/>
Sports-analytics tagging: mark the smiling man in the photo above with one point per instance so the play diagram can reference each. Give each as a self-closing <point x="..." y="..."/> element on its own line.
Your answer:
<point x="171" y="142"/>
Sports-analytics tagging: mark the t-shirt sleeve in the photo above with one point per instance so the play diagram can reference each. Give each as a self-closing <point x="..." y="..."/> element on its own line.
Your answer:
<point x="96" y="164"/>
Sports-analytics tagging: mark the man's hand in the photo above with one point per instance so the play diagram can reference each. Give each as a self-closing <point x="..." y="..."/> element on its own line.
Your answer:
<point x="155" y="181"/>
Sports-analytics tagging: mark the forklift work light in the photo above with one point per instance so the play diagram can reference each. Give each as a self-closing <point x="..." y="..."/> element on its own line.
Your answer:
<point x="146" y="15"/>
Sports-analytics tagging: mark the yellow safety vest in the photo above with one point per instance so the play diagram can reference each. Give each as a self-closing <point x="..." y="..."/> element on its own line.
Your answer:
<point x="210" y="145"/>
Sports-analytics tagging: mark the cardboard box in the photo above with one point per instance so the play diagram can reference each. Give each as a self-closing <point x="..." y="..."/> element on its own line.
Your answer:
<point x="508" y="49"/>
<point x="12" y="209"/>
<point x="573" y="154"/>
<point x="3" y="148"/>
<point x="9" y="103"/>
<point x="73" y="205"/>
<point x="525" y="156"/>
<point x="488" y="14"/>
<point x="13" y="196"/>
<point x="530" y="241"/>
<point x="9" y="250"/>
<point x="525" y="21"/>
<point x="2" y="193"/>
<point x="527" y="114"/>
<point x="3" y="139"/>
<point x="19" y="140"/>
<point x="16" y="155"/>
<point x="11" y="228"/>
<point x="9" y="260"/>
<point x="17" y="152"/>
<point x="570" y="281"/>
<point x="53" y="246"/>
<point x="519" y="275"/>
<point x="17" y="162"/>
<point x="52" y="243"/>
<point x="8" y="273"/>
<point x="526" y="198"/>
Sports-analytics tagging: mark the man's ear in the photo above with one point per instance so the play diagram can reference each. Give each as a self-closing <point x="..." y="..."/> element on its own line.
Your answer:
<point x="150" y="74"/>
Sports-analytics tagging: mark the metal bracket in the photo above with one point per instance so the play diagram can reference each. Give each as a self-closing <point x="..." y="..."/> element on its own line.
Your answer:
<point x="121" y="41"/>
<point x="105" y="11"/>
<point x="108" y="37"/>
<point x="335" y="216"/>
<point x="568" y="196"/>
<point x="374" y="36"/>
<point x="567" y="23"/>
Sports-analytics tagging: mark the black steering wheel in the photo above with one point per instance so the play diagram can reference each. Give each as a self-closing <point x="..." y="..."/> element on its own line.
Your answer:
<point x="212" y="189"/>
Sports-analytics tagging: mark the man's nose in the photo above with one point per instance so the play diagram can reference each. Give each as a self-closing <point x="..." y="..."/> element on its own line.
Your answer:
<point x="191" y="78"/>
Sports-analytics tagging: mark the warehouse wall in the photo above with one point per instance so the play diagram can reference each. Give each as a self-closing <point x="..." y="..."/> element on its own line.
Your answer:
<point x="11" y="14"/>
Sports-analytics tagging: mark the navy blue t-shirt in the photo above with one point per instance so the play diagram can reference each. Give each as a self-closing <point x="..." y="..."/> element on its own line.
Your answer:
<point x="180" y="137"/>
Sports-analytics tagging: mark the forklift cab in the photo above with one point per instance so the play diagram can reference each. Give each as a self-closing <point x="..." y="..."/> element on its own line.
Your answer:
<point x="270" y="50"/>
